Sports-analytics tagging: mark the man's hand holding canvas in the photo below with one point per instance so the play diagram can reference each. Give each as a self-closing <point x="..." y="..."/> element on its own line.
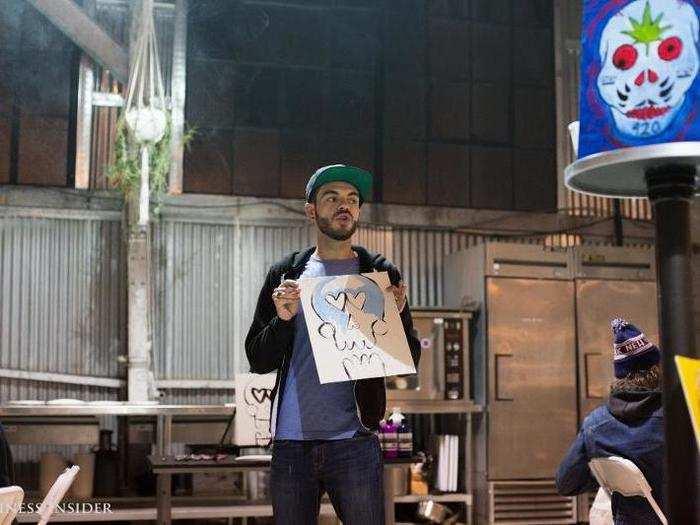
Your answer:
<point x="286" y="298"/>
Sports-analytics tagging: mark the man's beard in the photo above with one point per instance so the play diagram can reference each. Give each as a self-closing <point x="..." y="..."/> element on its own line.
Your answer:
<point x="337" y="234"/>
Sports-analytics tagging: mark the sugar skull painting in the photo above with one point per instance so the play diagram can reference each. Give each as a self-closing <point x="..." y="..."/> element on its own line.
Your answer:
<point x="639" y="69"/>
<point x="354" y="327"/>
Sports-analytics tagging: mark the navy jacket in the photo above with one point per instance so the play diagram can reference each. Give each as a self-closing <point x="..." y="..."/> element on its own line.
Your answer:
<point x="630" y="425"/>
<point x="270" y="339"/>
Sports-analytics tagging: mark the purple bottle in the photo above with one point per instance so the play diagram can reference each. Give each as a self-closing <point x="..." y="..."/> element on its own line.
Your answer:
<point x="390" y="438"/>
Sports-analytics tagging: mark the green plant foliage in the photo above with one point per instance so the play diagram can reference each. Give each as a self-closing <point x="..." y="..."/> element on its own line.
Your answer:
<point x="125" y="173"/>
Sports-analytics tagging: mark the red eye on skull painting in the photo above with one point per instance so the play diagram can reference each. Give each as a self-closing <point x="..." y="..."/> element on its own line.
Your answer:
<point x="649" y="60"/>
<point x="624" y="57"/>
<point x="670" y="48"/>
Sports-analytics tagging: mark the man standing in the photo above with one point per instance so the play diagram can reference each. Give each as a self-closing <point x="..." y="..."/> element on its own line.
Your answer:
<point x="323" y="434"/>
<point x="630" y="425"/>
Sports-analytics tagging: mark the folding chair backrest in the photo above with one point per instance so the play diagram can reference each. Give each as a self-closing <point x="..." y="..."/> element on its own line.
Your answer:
<point x="56" y="492"/>
<point x="10" y="501"/>
<point x="616" y="474"/>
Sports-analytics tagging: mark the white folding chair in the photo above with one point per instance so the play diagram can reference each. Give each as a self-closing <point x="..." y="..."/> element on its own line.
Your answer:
<point x="10" y="501"/>
<point x="616" y="474"/>
<point x="600" y="512"/>
<point x="56" y="492"/>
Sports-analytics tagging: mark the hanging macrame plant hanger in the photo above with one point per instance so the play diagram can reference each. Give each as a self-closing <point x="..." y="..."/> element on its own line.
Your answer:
<point x="145" y="111"/>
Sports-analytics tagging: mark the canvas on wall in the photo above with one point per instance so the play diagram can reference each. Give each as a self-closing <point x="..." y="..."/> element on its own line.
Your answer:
<point x="639" y="69"/>
<point x="354" y="327"/>
<point x="253" y="405"/>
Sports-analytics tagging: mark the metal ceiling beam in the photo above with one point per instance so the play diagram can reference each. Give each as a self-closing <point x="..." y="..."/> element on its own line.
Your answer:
<point x="75" y="23"/>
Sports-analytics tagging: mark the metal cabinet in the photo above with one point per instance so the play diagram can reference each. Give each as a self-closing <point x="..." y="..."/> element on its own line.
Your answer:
<point x="532" y="372"/>
<point x="542" y="360"/>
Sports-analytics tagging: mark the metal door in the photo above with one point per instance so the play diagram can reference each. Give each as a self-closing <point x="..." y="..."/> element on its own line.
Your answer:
<point x="532" y="378"/>
<point x="597" y="302"/>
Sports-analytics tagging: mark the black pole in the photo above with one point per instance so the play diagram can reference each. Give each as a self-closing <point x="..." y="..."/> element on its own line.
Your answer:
<point x="618" y="235"/>
<point x="671" y="190"/>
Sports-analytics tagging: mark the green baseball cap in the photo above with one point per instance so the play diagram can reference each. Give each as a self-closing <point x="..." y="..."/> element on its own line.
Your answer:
<point x="361" y="179"/>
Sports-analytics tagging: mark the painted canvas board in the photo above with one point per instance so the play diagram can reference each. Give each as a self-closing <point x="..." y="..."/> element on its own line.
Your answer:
<point x="354" y="327"/>
<point x="689" y="373"/>
<point x="253" y="404"/>
<point x="639" y="74"/>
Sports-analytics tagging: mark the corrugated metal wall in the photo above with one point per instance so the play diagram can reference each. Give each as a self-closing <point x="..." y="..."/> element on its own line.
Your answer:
<point x="61" y="306"/>
<point x="207" y="277"/>
<point x="62" y="286"/>
<point x="207" y="280"/>
<point x="61" y="279"/>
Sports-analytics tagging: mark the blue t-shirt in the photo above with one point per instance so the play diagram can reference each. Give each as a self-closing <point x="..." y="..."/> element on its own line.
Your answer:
<point x="310" y="410"/>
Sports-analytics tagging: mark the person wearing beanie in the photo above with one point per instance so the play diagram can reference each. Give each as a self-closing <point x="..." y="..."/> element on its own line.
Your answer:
<point x="324" y="434"/>
<point x="629" y="425"/>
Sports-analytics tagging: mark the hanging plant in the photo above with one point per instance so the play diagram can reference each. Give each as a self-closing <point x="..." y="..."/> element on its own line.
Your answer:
<point x="143" y="138"/>
<point x="125" y="172"/>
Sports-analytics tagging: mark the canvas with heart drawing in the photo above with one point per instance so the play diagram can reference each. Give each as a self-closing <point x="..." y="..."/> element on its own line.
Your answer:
<point x="354" y="327"/>
<point x="253" y="405"/>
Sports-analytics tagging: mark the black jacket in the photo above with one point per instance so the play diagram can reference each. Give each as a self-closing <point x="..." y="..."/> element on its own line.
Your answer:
<point x="270" y="339"/>
<point x="7" y="474"/>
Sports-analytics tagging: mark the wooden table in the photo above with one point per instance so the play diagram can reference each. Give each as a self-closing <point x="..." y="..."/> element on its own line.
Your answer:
<point x="165" y="466"/>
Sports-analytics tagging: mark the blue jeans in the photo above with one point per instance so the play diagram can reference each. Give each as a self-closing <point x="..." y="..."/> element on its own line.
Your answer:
<point x="350" y="470"/>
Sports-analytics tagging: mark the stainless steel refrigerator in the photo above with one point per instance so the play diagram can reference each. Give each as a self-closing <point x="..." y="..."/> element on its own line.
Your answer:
<point x="535" y="305"/>
<point x="610" y="282"/>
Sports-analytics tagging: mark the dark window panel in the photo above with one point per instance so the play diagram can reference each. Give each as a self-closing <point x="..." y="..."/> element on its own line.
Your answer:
<point x="404" y="37"/>
<point x="533" y="57"/>
<point x="404" y="172"/>
<point x="256" y="163"/>
<point x="535" y="180"/>
<point x="404" y="106"/>
<point x="303" y="3"/>
<point x="449" y="48"/>
<point x="533" y="13"/>
<point x="450" y="110"/>
<point x="351" y="104"/>
<point x="208" y="163"/>
<point x="300" y="158"/>
<point x="491" y="52"/>
<point x="43" y="150"/>
<point x="353" y="152"/>
<point x="5" y="133"/>
<point x="448" y="8"/>
<point x="300" y="36"/>
<point x="356" y="3"/>
<point x="491" y="178"/>
<point x="10" y="24"/>
<point x="490" y="112"/>
<point x="534" y="117"/>
<point x="7" y="85"/>
<point x="355" y="39"/>
<point x="448" y="175"/>
<point x="229" y="31"/>
<point x="405" y="6"/>
<point x="303" y="100"/>
<point x="51" y="95"/>
<point x="39" y="34"/>
<point x="211" y="96"/>
<point x="494" y="11"/>
<point x="256" y="97"/>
